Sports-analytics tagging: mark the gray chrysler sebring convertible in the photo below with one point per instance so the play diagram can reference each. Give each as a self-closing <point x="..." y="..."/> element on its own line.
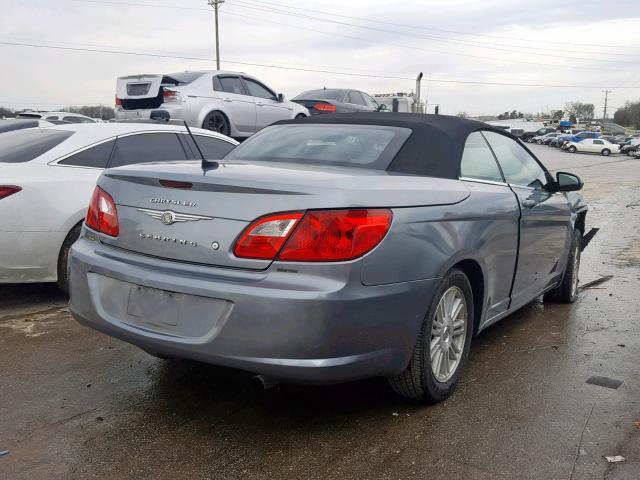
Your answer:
<point x="331" y="248"/>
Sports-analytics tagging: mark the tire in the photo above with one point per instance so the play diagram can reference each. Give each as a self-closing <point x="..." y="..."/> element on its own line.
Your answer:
<point x="217" y="122"/>
<point x="572" y="149"/>
<point x="606" y="152"/>
<point x="63" y="258"/>
<point x="418" y="381"/>
<point x="300" y="115"/>
<point x="539" y="142"/>
<point x="567" y="291"/>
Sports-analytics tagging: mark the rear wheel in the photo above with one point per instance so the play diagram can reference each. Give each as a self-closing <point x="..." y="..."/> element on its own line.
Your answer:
<point x="572" y="149"/>
<point x="606" y="152"/>
<point x="63" y="258"/>
<point x="567" y="291"/>
<point x="300" y="115"/>
<point x="443" y="343"/>
<point x="217" y="121"/>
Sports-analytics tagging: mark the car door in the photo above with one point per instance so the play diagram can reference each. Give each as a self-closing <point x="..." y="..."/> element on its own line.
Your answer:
<point x="238" y="104"/>
<point x="497" y="233"/>
<point x="371" y="104"/>
<point x="586" y="145"/>
<point x="354" y="102"/>
<point x="545" y="226"/>
<point x="597" y="145"/>
<point x="268" y="109"/>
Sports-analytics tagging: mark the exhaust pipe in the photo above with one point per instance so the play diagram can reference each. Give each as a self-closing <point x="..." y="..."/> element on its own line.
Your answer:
<point x="264" y="383"/>
<point x="417" y="96"/>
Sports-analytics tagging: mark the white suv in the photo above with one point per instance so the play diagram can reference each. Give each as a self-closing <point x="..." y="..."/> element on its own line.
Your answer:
<point x="234" y="104"/>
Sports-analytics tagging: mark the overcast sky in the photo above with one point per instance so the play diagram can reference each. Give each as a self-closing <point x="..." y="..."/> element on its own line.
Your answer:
<point x="531" y="42"/>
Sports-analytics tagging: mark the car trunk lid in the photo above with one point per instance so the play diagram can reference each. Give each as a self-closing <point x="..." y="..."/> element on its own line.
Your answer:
<point x="200" y="220"/>
<point x="139" y="91"/>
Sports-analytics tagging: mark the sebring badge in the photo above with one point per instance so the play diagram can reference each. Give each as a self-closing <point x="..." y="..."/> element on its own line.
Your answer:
<point x="169" y="217"/>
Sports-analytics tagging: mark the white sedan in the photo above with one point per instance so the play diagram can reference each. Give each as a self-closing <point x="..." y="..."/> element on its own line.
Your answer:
<point x="47" y="176"/>
<point x="593" y="145"/>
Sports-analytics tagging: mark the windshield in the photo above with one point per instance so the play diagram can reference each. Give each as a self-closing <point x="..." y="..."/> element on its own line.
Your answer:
<point x="24" y="145"/>
<point x="324" y="94"/>
<point x="364" y="146"/>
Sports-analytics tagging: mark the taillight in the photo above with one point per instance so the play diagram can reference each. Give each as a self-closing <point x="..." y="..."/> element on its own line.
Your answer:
<point x="325" y="107"/>
<point x="171" y="96"/>
<point x="264" y="238"/>
<point x="118" y="102"/>
<point x="6" y="190"/>
<point x="316" y="236"/>
<point x="102" y="215"/>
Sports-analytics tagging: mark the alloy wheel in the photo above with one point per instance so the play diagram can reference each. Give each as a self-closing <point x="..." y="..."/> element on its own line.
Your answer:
<point x="448" y="334"/>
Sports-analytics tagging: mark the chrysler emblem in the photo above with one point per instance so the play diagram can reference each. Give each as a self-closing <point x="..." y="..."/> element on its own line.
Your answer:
<point x="169" y="217"/>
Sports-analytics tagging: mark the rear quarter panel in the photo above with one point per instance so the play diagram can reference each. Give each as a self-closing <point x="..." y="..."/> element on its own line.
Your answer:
<point x="425" y="242"/>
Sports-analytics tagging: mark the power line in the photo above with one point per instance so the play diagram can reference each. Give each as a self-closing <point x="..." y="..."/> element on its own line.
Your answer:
<point x="410" y="47"/>
<point x="457" y="32"/>
<point x="309" y="70"/>
<point x="485" y="45"/>
<point x="431" y="37"/>
<point x="403" y="25"/>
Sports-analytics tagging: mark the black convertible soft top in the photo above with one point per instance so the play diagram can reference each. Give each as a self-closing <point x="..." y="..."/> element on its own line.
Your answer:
<point x="434" y="148"/>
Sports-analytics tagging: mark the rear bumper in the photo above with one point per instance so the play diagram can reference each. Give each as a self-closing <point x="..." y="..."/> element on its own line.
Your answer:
<point x="176" y="111"/>
<point x="27" y="257"/>
<point x="316" y="325"/>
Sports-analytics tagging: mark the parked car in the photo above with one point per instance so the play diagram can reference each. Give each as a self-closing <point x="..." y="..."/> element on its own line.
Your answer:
<point x="563" y="140"/>
<point x="332" y="248"/>
<point x="336" y="100"/>
<point x="529" y="136"/>
<point x="592" y="145"/>
<point x="234" y="104"/>
<point x="545" y="139"/>
<point x="66" y="117"/>
<point x="19" y="123"/>
<point x="47" y="176"/>
<point x="630" y="146"/>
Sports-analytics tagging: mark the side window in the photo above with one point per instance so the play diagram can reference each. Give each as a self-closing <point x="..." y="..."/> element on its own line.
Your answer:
<point x="71" y="119"/>
<point x="598" y="142"/>
<point x="147" y="147"/>
<point x="257" y="90"/>
<point x="518" y="166"/>
<point x="217" y="86"/>
<point x="232" y="85"/>
<point x="369" y="101"/>
<point x="96" y="157"/>
<point x="212" y="148"/>
<point x="55" y="117"/>
<point x="478" y="161"/>
<point x="355" y="98"/>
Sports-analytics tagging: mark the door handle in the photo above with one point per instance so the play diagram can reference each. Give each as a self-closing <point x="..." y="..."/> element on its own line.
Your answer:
<point x="227" y="99"/>
<point x="528" y="203"/>
<point x="260" y="104"/>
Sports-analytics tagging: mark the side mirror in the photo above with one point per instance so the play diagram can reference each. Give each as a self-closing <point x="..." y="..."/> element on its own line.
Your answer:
<point x="281" y="97"/>
<point x="568" y="182"/>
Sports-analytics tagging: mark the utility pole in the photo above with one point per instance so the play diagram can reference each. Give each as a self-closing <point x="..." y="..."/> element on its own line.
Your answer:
<point x="215" y="4"/>
<point x="606" y="98"/>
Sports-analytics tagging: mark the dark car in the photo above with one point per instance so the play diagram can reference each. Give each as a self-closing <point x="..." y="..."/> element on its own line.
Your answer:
<point x="336" y="100"/>
<point x="528" y="136"/>
<point x="332" y="248"/>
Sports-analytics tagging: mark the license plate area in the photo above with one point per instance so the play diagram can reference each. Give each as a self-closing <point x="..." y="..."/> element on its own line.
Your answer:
<point x="153" y="306"/>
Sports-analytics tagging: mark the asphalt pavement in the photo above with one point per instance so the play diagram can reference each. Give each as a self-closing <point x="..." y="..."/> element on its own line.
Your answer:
<point x="75" y="404"/>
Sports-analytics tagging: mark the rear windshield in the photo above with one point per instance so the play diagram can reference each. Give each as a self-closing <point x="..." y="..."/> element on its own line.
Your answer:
<point x="364" y="146"/>
<point x="182" y="78"/>
<point x="24" y="145"/>
<point x="325" y="94"/>
<point x="29" y="115"/>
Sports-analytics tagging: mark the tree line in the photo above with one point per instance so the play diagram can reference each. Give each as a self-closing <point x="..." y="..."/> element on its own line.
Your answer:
<point x="93" y="111"/>
<point x="629" y="115"/>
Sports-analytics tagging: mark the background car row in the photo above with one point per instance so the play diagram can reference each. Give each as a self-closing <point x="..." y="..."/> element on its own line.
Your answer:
<point x="48" y="175"/>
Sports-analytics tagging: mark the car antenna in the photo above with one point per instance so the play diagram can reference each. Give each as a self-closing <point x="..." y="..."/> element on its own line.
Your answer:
<point x="206" y="164"/>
